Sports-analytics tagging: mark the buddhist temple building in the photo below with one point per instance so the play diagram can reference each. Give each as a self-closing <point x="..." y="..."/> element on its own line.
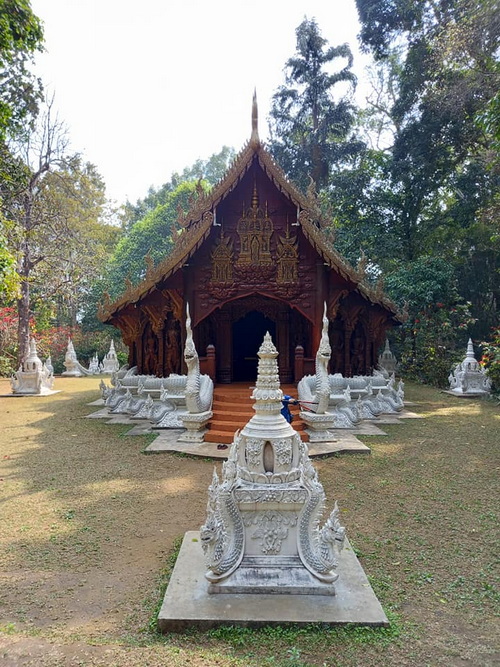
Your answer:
<point x="252" y="256"/>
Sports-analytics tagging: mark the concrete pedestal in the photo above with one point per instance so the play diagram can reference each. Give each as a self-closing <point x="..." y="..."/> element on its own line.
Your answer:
<point x="189" y="604"/>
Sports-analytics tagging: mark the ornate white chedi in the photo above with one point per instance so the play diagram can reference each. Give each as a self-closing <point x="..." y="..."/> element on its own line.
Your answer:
<point x="262" y="531"/>
<point x="387" y="362"/>
<point x="33" y="377"/>
<point x="468" y="377"/>
<point x="94" y="366"/>
<point x="110" y="363"/>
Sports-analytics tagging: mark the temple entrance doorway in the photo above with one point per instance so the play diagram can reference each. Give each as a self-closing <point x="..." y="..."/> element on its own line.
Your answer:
<point x="248" y="334"/>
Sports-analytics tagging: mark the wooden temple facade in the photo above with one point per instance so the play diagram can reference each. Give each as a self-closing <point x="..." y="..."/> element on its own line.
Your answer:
<point x="251" y="256"/>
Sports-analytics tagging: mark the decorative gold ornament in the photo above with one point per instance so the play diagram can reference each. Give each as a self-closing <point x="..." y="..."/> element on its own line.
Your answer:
<point x="255" y="229"/>
<point x="222" y="260"/>
<point x="287" y="258"/>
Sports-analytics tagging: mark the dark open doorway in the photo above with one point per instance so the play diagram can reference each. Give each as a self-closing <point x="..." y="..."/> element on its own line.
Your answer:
<point x="248" y="334"/>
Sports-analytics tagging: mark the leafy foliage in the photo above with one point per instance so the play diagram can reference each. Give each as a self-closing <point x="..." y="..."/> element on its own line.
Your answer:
<point x="21" y="35"/>
<point x="438" y="319"/>
<point x="434" y="185"/>
<point x="210" y="170"/>
<point x="153" y="236"/>
<point x="9" y="280"/>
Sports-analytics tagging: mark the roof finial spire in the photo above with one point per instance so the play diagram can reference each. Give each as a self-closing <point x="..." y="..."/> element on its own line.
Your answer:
<point x="254" y="139"/>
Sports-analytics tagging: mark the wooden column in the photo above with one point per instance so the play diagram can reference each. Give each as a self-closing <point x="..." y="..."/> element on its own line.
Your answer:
<point x="211" y="362"/>
<point x="369" y="362"/>
<point x="225" y="348"/>
<point x="348" y="329"/>
<point x="160" y="367"/>
<point x="299" y="364"/>
<point x="283" y="336"/>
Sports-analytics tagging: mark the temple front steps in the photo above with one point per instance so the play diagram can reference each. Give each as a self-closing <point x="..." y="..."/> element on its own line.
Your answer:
<point x="232" y="410"/>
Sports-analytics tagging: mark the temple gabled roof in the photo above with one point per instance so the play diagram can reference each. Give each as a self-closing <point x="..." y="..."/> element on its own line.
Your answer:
<point x="196" y="224"/>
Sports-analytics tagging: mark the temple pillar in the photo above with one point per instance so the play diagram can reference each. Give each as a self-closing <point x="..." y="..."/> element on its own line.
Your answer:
<point x="160" y="366"/>
<point x="283" y="345"/>
<point x="211" y="362"/>
<point x="225" y="348"/>
<point x="299" y="363"/>
<point x="348" y="329"/>
<point x="369" y="351"/>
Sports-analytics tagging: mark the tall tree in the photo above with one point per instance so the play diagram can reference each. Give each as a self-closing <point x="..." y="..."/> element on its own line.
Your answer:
<point x="309" y="126"/>
<point x="61" y="282"/>
<point x="438" y="177"/>
<point x="21" y="35"/>
<point x="45" y="202"/>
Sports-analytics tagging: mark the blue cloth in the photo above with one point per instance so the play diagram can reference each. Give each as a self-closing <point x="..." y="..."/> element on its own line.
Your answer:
<point x="285" y="410"/>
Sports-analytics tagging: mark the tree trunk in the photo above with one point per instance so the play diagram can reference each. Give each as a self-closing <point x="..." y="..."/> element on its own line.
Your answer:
<point x="23" y="329"/>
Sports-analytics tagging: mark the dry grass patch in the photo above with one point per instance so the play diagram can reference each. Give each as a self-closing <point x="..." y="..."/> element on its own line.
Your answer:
<point x="88" y="522"/>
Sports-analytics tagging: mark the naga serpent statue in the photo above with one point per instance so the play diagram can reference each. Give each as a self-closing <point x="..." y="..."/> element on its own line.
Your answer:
<point x="319" y="549"/>
<point x="222" y="534"/>
<point x="318" y="399"/>
<point x="199" y="388"/>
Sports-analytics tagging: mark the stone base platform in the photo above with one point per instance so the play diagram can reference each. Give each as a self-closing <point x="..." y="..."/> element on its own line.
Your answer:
<point x="471" y="394"/>
<point x="188" y="604"/>
<point x="345" y="440"/>
<point x="346" y="443"/>
<point x="49" y="392"/>
<point x="99" y="401"/>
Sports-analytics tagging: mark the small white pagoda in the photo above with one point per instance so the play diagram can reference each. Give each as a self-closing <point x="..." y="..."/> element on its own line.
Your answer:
<point x="33" y="376"/>
<point x="469" y="378"/>
<point x="262" y="532"/>
<point x="387" y="362"/>
<point x="110" y="363"/>
<point x="94" y="365"/>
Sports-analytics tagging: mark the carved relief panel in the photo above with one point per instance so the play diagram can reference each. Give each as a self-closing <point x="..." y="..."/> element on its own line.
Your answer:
<point x="222" y="261"/>
<point x="287" y="259"/>
<point x="255" y="229"/>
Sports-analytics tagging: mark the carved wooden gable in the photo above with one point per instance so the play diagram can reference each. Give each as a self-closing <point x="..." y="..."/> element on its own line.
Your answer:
<point x="255" y="249"/>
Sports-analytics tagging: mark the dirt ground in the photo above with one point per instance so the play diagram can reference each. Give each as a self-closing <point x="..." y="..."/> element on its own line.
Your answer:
<point x="88" y="522"/>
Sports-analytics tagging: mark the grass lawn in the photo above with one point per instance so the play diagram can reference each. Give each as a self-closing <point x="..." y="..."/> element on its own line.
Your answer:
<point x="89" y="525"/>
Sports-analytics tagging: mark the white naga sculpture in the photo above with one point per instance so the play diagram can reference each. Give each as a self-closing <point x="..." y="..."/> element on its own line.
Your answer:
<point x="33" y="377"/>
<point x="178" y="401"/>
<point x="110" y="363"/>
<point x="468" y="377"/>
<point x="262" y="532"/>
<point x="332" y="401"/>
<point x="71" y="363"/>
<point x="314" y="395"/>
<point x="48" y="364"/>
<point x="387" y="362"/>
<point x="199" y="392"/>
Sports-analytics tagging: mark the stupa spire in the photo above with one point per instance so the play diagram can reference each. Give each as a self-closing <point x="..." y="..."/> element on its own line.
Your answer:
<point x="254" y="138"/>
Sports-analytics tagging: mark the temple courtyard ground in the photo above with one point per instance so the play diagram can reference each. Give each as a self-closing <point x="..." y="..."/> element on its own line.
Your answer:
<point x="89" y="525"/>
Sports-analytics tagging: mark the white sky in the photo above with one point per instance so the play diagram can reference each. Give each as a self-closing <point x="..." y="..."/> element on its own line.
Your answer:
<point x="148" y="87"/>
